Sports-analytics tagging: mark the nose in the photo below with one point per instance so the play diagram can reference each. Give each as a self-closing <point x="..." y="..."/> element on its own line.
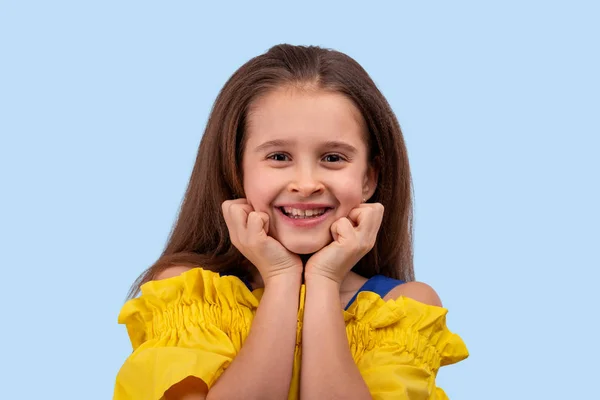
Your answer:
<point x="306" y="182"/>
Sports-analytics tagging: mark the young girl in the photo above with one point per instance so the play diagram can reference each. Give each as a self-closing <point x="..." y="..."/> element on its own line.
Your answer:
<point x="289" y="270"/>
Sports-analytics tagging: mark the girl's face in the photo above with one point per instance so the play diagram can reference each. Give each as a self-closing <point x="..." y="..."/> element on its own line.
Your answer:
<point x="305" y="164"/>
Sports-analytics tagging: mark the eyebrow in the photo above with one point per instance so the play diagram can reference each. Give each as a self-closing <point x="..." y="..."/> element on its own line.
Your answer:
<point x="272" y="143"/>
<point x="330" y="144"/>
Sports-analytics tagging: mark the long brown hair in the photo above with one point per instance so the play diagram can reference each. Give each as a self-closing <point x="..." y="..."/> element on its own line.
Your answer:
<point x="200" y="237"/>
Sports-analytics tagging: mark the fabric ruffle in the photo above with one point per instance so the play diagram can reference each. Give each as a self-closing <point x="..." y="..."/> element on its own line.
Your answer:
<point x="195" y="324"/>
<point x="399" y="346"/>
<point x="194" y="298"/>
<point x="190" y="325"/>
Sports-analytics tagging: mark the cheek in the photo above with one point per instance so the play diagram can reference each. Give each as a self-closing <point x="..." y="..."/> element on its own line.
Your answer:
<point x="348" y="192"/>
<point x="259" y="191"/>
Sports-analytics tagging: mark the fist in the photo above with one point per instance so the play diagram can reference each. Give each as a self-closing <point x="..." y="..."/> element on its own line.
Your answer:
<point x="353" y="237"/>
<point x="248" y="232"/>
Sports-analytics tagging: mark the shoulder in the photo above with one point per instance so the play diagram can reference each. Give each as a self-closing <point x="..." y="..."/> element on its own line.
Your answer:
<point x="170" y="272"/>
<point x="418" y="291"/>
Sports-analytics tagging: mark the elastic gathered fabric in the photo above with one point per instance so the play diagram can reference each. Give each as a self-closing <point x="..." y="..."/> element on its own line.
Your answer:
<point x="195" y="324"/>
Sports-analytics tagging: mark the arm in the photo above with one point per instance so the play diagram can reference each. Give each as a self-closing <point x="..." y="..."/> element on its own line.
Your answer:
<point x="263" y="367"/>
<point x="328" y="370"/>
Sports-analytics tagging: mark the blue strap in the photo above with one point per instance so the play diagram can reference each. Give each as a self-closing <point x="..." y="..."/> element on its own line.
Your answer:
<point x="378" y="284"/>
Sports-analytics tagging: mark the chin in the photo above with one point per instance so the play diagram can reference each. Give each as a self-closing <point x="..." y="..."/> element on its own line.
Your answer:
<point x="305" y="247"/>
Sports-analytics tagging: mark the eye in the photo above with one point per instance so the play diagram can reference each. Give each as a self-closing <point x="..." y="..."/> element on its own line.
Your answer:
<point x="333" y="158"/>
<point x="278" y="157"/>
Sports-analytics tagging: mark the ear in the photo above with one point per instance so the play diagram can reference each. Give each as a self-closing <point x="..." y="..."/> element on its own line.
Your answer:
<point x="371" y="178"/>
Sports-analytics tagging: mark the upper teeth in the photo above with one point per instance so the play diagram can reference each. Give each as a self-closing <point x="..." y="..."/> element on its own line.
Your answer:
<point x="303" y="213"/>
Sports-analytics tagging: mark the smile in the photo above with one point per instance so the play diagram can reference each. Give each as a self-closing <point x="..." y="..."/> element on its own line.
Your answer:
<point x="297" y="213"/>
<point x="304" y="215"/>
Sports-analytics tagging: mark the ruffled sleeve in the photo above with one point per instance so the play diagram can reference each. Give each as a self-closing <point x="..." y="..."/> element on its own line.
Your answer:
<point x="190" y="325"/>
<point x="399" y="346"/>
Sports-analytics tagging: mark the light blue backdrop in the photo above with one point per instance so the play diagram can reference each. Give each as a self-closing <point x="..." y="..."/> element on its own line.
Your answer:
<point x="102" y="106"/>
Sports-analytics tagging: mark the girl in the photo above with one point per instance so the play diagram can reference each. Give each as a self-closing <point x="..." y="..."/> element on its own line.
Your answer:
<point x="289" y="270"/>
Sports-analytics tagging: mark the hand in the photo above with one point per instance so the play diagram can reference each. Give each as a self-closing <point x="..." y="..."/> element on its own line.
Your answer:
<point x="248" y="231"/>
<point x="353" y="237"/>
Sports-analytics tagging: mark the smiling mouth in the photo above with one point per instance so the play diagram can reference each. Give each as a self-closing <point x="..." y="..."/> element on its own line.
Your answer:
<point x="296" y="213"/>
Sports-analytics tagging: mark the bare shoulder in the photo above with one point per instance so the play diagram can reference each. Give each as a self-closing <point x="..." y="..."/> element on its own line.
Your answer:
<point x="419" y="291"/>
<point x="171" y="272"/>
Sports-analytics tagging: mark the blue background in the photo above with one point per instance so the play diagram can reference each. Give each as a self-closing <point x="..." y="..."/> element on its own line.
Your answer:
<point x="102" y="106"/>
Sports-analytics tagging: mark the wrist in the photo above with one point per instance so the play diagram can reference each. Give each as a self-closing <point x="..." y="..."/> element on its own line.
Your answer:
<point x="287" y="279"/>
<point x="320" y="279"/>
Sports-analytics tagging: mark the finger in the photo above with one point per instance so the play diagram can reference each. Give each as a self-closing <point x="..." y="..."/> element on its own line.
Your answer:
<point x="239" y="214"/>
<point x="227" y="204"/>
<point x="367" y="216"/>
<point x="265" y="218"/>
<point x="258" y="223"/>
<point x="342" y="230"/>
<point x="355" y="215"/>
<point x="225" y="207"/>
<point x="370" y="222"/>
<point x="333" y="230"/>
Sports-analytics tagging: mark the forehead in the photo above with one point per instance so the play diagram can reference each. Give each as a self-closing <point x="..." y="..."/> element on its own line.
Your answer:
<point x="289" y="113"/>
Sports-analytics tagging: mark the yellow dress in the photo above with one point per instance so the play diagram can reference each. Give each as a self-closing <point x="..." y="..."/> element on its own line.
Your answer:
<point x="195" y="324"/>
